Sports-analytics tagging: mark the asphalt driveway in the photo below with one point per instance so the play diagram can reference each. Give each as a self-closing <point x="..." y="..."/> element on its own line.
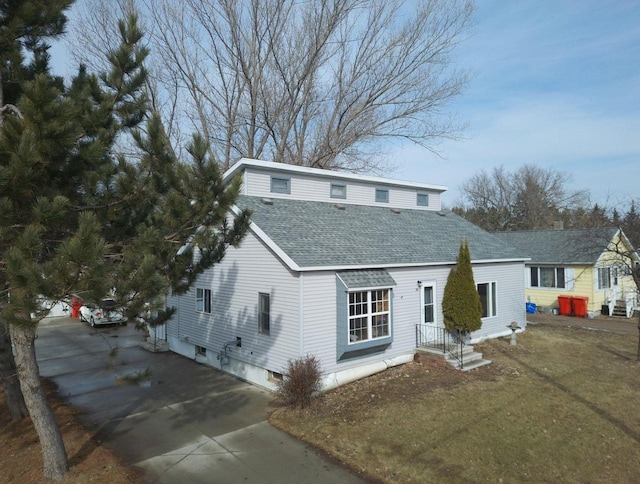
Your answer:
<point x="185" y="422"/>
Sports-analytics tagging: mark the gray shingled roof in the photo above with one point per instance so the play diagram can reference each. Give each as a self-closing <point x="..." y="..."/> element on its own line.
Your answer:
<point x="367" y="278"/>
<point x="317" y="234"/>
<point x="574" y="246"/>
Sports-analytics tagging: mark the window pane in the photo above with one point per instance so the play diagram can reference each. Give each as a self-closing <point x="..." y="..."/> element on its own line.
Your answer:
<point x="199" y="299"/>
<point x="547" y="277"/>
<point x="428" y="305"/>
<point x="382" y="196"/>
<point x="494" y="299"/>
<point x="604" y="278"/>
<point x="369" y="316"/>
<point x="280" y="185"/>
<point x="534" y="277"/>
<point x="483" y="291"/>
<point x="357" y="303"/>
<point x="423" y="200"/>
<point x="358" y="329"/>
<point x="207" y="300"/>
<point x="264" y="318"/>
<point x="338" y="191"/>
<point x="379" y="301"/>
<point x="380" y="326"/>
<point x="560" y="277"/>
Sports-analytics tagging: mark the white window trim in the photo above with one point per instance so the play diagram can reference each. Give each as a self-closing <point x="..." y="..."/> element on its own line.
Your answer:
<point x="338" y="185"/>
<point x="284" y="179"/>
<point x="206" y="297"/>
<point x="369" y="315"/>
<point x="433" y="285"/>
<point x="260" y="328"/>
<point x="381" y="190"/>
<point x="555" y="278"/>
<point x="491" y="303"/>
<point x="421" y="194"/>
<point x="597" y="278"/>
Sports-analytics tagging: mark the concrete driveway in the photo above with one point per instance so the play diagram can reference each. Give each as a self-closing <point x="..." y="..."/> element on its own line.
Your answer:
<point x="185" y="423"/>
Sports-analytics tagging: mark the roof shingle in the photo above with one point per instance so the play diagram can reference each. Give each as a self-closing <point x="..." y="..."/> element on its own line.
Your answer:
<point x="572" y="246"/>
<point x="317" y="234"/>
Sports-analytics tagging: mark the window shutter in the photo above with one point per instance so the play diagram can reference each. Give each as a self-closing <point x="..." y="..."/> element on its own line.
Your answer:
<point x="569" y="278"/>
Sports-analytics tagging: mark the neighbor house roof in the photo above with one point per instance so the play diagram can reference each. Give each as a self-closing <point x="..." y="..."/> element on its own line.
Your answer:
<point x="573" y="246"/>
<point x="326" y="235"/>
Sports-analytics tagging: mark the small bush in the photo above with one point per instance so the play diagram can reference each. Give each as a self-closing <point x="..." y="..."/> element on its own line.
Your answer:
<point x="300" y="383"/>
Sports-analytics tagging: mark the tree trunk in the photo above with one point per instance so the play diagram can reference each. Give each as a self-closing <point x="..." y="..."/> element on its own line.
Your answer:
<point x="10" y="382"/>
<point x="53" y="452"/>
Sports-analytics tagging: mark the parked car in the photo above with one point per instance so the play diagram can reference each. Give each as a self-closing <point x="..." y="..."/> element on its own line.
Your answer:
<point x="105" y="313"/>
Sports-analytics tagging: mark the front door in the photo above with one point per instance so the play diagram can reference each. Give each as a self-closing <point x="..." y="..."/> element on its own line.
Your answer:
<point x="428" y="321"/>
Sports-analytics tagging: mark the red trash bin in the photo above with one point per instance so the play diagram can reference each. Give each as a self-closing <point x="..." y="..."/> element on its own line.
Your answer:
<point x="75" y="307"/>
<point x="564" y="305"/>
<point x="580" y="306"/>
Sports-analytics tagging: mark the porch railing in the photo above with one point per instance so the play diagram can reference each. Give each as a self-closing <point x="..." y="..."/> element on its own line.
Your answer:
<point x="428" y="336"/>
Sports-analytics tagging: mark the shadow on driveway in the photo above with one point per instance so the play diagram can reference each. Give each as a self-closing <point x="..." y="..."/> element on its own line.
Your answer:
<point x="187" y="422"/>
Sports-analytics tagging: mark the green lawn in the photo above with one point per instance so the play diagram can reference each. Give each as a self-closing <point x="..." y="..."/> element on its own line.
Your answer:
<point x="561" y="406"/>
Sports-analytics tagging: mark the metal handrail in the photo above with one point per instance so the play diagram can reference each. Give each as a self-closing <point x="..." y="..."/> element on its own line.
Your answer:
<point x="428" y="336"/>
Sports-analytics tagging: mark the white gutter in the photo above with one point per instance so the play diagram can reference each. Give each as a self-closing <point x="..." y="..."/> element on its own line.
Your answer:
<point x="338" y="175"/>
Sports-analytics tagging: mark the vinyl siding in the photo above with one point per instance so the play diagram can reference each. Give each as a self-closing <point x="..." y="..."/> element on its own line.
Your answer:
<point x="510" y="297"/>
<point x="235" y="284"/>
<point x="307" y="187"/>
<point x="320" y="318"/>
<point x="585" y="285"/>
<point x="320" y="309"/>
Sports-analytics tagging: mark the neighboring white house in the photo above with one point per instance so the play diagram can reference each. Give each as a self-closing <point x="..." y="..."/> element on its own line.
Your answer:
<point x="341" y="266"/>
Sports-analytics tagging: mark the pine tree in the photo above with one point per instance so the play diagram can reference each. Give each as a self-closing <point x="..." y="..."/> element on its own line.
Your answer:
<point x="631" y="224"/>
<point x="461" y="305"/>
<point x="79" y="216"/>
<point x="25" y="27"/>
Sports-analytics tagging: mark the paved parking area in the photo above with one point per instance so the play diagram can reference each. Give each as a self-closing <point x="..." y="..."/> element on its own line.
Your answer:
<point x="186" y="422"/>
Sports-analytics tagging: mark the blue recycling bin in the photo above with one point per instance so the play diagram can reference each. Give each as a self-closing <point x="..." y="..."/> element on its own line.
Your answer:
<point x="532" y="308"/>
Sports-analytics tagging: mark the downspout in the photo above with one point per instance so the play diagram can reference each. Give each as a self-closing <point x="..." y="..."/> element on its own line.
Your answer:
<point x="301" y="312"/>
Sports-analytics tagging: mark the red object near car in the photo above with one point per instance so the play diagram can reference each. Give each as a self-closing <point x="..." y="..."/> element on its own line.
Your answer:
<point x="76" y="304"/>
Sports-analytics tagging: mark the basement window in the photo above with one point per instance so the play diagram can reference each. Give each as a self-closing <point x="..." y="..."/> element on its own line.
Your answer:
<point x="274" y="376"/>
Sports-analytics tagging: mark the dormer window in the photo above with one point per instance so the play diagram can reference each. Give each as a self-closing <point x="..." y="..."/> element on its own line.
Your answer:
<point x="280" y="185"/>
<point x="338" y="190"/>
<point x="382" y="196"/>
<point x="422" y="200"/>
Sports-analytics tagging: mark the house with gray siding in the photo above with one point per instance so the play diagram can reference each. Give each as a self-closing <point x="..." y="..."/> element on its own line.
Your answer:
<point x="345" y="267"/>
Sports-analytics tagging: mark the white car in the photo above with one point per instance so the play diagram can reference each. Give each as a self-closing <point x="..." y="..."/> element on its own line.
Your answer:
<point x="104" y="314"/>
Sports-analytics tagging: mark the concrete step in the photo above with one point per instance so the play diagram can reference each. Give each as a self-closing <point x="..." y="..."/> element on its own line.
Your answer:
<point x="471" y="359"/>
<point x="475" y="364"/>
<point x="155" y="346"/>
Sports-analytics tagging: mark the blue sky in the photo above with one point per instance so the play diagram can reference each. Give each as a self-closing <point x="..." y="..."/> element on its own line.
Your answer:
<point x="556" y="84"/>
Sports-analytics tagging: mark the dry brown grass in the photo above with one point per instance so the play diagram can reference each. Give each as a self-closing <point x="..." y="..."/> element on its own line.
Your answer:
<point x="561" y="406"/>
<point x="21" y="458"/>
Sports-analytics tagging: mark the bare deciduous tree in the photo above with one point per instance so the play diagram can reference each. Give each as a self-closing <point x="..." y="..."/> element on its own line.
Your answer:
<point x="309" y="83"/>
<point x="529" y="198"/>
